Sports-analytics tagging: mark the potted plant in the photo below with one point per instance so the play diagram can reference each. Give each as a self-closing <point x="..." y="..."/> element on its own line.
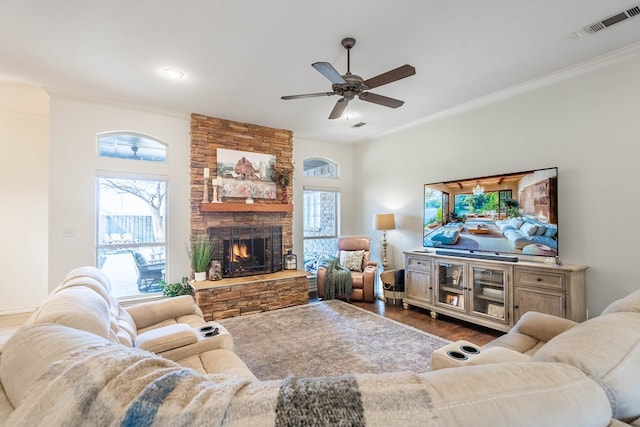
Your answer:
<point x="176" y="289"/>
<point x="201" y="255"/>
<point x="512" y="208"/>
<point x="454" y="217"/>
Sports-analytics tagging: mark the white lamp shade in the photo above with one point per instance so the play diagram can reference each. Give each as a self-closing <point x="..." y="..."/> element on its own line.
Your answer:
<point x="384" y="221"/>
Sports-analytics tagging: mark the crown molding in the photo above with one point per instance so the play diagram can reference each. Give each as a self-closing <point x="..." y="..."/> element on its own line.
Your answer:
<point x="602" y="61"/>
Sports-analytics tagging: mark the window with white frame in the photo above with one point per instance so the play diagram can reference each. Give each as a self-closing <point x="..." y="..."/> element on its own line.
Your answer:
<point x="131" y="216"/>
<point x="320" y="214"/>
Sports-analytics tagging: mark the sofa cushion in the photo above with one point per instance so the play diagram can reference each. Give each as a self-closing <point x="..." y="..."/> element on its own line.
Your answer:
<point x="126" y="327"/>
<point x="166" y="338"/>
<point x="205" y="343"/>
<point x="532" y="331"/>
<point x="351" y="260"/>
<point x="529" y="229"/>
<point x="630" y="303"/>
<point x="551" y="232"/>
<point x="6" y="408"/>
<point x="91" y="272"/>
<point x="541" y="230"/>
<point x="516" y="223"/>
<point x="542" y="326"/>
<point x="217" y="362"/>
<point x="516" y="341"/>
<point x="28" y="353"/>
<point x="147" y="314"/>
<point x="511" y="394"/>
<point x="85" y="282"/>
<point x="79" y="308"/>
<point x="607" y="348"/>
<point x="446" y="237"/>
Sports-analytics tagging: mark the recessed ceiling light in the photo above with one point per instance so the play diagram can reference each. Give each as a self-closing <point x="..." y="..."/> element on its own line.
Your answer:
<point x="173" y="73"/>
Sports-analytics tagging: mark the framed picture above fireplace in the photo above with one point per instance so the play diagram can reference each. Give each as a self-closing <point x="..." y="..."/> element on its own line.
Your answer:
<point x="245" y="174"/>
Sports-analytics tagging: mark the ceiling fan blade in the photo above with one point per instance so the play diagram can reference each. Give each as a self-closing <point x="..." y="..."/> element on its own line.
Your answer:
<point x="329" y="72"/>
<point x="390" y="76"/>
<point x="308" y="95"/>
<point x="338" y="109"/>
<point x="381" y="100"/>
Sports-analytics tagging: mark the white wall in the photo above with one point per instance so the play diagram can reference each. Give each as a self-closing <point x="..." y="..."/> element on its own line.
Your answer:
<point x="342" y="155"/>
<point x="587" y="126"/>
<point x="73" y="167"/>
<point x="24" y="122"/>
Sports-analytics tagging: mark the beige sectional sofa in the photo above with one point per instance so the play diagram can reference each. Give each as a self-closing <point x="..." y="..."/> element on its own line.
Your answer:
<point x="543" y="372"/>
<point x="169" y="327"/>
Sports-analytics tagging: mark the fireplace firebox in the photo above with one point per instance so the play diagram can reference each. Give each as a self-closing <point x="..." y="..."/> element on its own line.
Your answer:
<point x="247" y="251"/>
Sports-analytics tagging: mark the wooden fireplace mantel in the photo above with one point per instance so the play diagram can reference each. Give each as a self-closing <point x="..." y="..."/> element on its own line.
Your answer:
<point x="245" y="207"/>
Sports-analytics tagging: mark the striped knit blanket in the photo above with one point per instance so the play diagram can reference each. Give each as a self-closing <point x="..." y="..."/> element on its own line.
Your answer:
<point x="112" y="385"/>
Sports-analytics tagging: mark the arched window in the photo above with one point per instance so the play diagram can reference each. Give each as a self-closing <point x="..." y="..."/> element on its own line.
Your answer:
<point x="320" y="168"/>
<point x="131" y="145"/>
<point x="131" y="214"/>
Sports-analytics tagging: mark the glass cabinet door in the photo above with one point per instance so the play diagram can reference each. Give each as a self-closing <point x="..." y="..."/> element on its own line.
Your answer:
<point x="489" y="293"/>
<point x="451" y="285"/>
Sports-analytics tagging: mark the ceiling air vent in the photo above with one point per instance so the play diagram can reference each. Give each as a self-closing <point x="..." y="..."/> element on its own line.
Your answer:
<point x="358" y="125"/>
<point x="633" y="11"/>
<point x="611" y="20"/>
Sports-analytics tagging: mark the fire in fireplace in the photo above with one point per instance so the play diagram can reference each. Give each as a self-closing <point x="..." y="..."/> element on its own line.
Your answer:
<point x="240" y="253"/>
<point x="246" y="251"/>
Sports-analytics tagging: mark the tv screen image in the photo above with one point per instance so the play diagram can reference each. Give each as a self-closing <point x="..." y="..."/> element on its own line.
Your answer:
<point x="513" y="213"/>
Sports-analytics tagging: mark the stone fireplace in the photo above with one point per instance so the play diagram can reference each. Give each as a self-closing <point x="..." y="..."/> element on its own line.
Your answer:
<point x="249" y="238"/>
<point x="247" y="251"/>
<point x="207" y="135"/>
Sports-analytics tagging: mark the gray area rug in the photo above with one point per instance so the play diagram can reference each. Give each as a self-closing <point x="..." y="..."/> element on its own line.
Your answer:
<point x="328" y="338"/>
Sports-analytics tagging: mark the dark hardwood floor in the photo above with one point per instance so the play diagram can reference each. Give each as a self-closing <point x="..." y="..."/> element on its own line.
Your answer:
<point x="445" y="327"/>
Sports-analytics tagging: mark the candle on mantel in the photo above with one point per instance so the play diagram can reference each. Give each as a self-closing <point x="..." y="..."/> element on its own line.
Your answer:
<point x="206" y="172"/>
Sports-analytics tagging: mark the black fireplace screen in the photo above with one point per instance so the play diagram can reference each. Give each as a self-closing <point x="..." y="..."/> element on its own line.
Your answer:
<point x="246" y="251"/>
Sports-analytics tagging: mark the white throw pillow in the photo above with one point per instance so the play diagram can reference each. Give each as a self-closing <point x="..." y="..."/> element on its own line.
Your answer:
<point x="516" y="223"/>
<point x="529" y="229"/>
<point x="352" y="260"/>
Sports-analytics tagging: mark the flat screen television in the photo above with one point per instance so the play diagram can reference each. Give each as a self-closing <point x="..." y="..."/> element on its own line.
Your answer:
<point x="513" y="214"/>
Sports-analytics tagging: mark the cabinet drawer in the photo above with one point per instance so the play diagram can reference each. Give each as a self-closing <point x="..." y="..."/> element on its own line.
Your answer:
<point x="540" y="279"/>
<point x="416" y="263"/>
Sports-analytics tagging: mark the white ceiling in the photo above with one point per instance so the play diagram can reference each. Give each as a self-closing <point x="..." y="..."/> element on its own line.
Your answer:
<point x="240" y="56"/>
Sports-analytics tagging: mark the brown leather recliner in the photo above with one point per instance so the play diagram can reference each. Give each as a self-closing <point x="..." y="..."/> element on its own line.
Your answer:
<point x="364" y="280"/>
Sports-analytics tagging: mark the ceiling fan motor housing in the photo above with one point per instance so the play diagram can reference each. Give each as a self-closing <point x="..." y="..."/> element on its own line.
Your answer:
<point x="353" y="87"/>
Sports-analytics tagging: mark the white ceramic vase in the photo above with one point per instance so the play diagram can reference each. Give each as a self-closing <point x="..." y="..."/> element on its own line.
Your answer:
<point x="200" y="276"/>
